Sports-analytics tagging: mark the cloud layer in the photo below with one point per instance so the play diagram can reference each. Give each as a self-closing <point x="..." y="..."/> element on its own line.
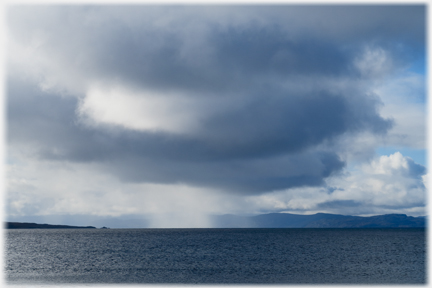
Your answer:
<point x="246" y="100"/>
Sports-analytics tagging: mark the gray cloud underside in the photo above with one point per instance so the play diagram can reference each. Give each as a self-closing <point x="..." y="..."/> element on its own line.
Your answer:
<point x="235" y="153"/>
<point x="270" y="142"/>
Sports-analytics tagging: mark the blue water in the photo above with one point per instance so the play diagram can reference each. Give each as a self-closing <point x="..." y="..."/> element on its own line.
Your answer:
<point x="216" y="256"/>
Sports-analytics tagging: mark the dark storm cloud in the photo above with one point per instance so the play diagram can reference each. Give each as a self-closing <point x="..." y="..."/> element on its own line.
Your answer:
<point x="262" y="161"/>
<point x="238" y="55"/>
<point x="158" y="158"/>
<point x="228" y="56"/>
<point x="245" y="176"/>
<point x="291" y="123"/>
<point x="263" y="129"/>
<point x="272" y="141"/>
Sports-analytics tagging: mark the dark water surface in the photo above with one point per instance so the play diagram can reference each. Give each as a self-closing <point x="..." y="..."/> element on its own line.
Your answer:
<point x="216" y="256"/>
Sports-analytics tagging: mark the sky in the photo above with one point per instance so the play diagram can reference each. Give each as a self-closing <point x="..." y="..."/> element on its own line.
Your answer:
<point x="162" y="116"/>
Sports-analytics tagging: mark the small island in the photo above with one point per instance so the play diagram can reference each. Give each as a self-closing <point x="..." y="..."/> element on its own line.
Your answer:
<point x="19" y="225"/>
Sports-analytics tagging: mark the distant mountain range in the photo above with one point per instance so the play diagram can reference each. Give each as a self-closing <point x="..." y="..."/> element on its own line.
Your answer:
<point x="319" y="220"/>
<point x="279" y="220"/>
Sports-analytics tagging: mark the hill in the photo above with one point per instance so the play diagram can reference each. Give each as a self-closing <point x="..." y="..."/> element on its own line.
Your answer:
<point x="19" y="225"/>
<point x="319" y="220"/>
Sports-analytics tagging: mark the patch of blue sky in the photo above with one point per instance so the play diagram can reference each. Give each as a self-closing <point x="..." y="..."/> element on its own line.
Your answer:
<point x="418" y="66"/>
<point x="414" y="78"/>
<point x="408" y="86"/>
<point x="418" y="155"/>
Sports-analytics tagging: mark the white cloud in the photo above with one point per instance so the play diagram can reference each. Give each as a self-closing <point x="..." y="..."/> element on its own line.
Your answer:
<point x="395" y="164"/>
<point x="388" y="184"/>
<point x="392" y="181"/>
<point x="138" y="110"/>
<point x="374" y="62"/>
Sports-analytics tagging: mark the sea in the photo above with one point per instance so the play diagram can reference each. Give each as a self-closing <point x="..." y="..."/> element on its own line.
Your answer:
<point x="215" y="256"/>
